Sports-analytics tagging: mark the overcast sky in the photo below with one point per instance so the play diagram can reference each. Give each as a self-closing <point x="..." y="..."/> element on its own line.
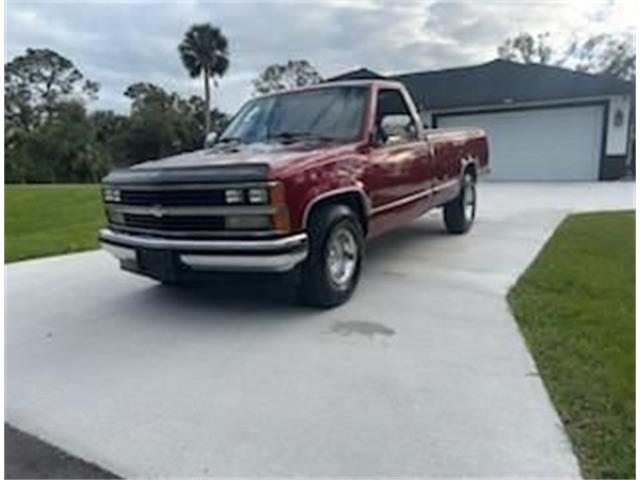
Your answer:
<point x="120" y="42"/>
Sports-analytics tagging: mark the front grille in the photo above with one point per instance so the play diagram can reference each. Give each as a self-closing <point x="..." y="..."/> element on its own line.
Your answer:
<point x="184" y="210"/>
<point x="198" y="223"/>
<point x="173" y="198"/>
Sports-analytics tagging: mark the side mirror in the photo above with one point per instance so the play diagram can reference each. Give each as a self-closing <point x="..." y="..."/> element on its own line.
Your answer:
<point x="211" y="139"/>
<point x="397" y="128"/>
<point x="394" y="139"/>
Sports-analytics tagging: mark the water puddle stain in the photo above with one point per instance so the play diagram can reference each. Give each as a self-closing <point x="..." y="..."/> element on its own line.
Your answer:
<point x="368" y="329"/>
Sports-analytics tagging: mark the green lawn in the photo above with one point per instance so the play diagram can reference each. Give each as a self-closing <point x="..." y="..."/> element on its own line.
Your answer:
<point x="575" y="307"/>
<point x="42" y="220"/>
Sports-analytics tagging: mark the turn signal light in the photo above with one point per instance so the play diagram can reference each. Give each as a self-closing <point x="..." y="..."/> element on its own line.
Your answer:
<point x="276" y="194"/>
<point x="280" y="220"/>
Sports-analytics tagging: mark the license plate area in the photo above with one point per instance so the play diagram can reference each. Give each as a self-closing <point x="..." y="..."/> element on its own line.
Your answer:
<point x="160" y="264"/>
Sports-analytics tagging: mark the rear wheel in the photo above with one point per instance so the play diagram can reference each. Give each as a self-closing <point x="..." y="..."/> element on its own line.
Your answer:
<point x="332" y="269"/>
<point x="460" y="212"/>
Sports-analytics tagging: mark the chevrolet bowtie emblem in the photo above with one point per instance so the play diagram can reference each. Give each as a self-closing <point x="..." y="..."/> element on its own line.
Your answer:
<point x="156" y="211"/>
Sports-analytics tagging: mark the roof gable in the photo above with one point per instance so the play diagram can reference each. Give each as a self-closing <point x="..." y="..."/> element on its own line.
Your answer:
<point x="358" y="74"/>
<point x="501" y="81"/>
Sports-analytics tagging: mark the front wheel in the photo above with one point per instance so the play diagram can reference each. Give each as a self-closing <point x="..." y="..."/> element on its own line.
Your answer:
<point x="332" y="269"/>
<point x="460" y="212"/>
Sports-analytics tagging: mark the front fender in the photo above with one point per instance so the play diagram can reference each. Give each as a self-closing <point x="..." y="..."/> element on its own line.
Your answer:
<point x="307" y="188"/>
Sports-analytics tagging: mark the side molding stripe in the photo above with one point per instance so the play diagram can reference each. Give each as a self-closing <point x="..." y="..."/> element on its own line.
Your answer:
<point x="413" y="197"/>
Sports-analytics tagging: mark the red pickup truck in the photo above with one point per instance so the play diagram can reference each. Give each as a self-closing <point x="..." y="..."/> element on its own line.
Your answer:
<point x="296" y="183"/>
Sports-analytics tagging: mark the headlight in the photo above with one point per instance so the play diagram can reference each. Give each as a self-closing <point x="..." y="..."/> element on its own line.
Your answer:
<point x="253" y="196"/>
<point x="111" y="194"/>
<point x="115" y="217"/>
<point x="234" y="195"/>
<point x="258" y="195"/>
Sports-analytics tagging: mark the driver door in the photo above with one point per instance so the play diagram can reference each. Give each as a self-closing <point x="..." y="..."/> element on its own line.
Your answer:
<point x="398" y="163"/>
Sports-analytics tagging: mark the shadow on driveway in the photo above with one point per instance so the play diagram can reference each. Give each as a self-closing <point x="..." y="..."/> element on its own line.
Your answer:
<point x="235" y="293"/>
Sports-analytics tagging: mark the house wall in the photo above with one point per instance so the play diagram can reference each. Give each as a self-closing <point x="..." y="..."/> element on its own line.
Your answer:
<point x="615" y="153"/>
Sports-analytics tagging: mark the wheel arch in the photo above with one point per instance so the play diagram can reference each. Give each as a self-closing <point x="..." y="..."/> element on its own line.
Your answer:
<point x="469" y="165"/>
<point x="471" y="168"/>
<point x="352" y="197"/>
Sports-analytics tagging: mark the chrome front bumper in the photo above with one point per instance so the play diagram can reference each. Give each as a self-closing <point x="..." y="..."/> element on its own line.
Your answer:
<point x="272" y="255"/>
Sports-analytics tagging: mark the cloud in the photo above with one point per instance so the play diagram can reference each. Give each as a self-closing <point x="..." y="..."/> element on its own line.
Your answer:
<point x="118" y="43"/>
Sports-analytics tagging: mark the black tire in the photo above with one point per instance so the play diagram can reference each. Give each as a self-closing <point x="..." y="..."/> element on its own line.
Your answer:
<point x="460" y="212"/>
<point x="318" y="287"/>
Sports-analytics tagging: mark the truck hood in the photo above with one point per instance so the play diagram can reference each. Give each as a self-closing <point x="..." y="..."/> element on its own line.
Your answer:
<point x="258" y="153"/>
<point x="233" y="163"/>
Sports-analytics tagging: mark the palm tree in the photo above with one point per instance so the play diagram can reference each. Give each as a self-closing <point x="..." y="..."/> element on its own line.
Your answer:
<point x="204" y="51"/>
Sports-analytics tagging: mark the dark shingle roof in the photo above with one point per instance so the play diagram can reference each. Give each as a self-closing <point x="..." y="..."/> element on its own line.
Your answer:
<point x="498" y="82"/>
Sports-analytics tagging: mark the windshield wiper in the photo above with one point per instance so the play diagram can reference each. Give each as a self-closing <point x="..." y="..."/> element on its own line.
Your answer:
<point x="226" y="140"/>
<point x="289" y="137"/>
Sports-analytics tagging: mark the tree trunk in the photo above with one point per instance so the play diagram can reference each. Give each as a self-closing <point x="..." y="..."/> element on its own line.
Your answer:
<point x="207" y="102"/>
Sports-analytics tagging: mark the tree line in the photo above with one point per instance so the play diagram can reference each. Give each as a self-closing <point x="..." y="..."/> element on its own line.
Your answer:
<point x="52" y="136"/>
<point x="604" y="53"/>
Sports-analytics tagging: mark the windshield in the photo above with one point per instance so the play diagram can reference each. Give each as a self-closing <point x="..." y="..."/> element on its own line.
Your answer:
<point x="334" y="114"/>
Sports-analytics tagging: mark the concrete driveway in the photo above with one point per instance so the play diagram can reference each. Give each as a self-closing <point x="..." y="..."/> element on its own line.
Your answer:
<point x="423" y="373"/>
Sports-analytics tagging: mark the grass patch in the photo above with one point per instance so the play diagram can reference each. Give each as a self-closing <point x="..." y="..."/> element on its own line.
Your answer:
<point x="42" y="220"/>
<point x="576" y="308"/>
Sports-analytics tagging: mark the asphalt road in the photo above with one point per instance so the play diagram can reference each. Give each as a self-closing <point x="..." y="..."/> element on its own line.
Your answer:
<point x="424" y="372"/>
<point x="26" y="456"/>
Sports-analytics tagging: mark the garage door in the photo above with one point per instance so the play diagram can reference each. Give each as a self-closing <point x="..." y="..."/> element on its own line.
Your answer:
<point x="544" y="144"/>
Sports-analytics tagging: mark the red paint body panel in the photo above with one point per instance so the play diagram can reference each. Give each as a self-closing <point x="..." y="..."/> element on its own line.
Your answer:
<point x="395" y="183"/>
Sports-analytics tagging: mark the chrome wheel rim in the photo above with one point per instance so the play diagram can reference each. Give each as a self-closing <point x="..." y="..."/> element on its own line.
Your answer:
<point x="342" y="256"/>
<point x="469" y="199"/>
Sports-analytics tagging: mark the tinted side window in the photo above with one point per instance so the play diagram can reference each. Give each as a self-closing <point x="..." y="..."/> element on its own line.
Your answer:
<point x="393" y="121"/>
